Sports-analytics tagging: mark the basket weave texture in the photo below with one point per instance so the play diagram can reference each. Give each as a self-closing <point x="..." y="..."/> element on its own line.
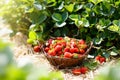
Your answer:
<point x="60" y="62"/>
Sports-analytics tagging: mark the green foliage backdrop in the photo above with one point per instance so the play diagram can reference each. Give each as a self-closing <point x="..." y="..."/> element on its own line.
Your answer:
<point x="92" y="20"/>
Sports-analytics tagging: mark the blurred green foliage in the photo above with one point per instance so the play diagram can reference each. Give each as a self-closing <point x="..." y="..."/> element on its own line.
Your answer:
<point x="109" y="72"/>
<point x="9" y="69"/>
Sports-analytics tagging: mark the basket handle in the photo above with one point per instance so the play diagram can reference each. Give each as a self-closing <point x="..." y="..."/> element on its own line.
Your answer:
<point x="88" y="50"/>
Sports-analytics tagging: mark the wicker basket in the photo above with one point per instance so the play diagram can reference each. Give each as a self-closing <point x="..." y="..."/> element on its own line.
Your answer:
<point x="61" y="63"/>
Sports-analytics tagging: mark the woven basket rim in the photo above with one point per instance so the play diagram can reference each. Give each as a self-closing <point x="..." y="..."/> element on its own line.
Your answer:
<point x="57" y="57"/>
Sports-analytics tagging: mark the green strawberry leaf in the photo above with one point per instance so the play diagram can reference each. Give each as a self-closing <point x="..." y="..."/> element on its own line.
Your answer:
<point x="38" y="18"/>
<point x="64" y="16"/>
<point x="42" y="18"/>
<point x="116" y="22"/>
<point x="69" y="7"/>
<point x="85" y="22"/>
<point x="29" y="10"/>
<point x="51" y="2"/>
<point x="106" y="54"/>
<point x="59" y="24"/>
<point x="57" y="17"/>
<point x="91" y="64"/>
<point x="38" y="6"/>
<point x="95" y="1"/>
<point x="78" y="23"/>
<point x="74" y="17"/>
<point x="77" y="7"/>
<point x="32" y="35"/>
<point x="97" y="41"/>
<point x="113" y="28"/>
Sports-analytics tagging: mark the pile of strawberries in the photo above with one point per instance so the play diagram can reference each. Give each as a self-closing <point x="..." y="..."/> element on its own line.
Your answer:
<point x="66" y="47"/>
<point x="100" y="59"/>
<point x="80" y="70"/>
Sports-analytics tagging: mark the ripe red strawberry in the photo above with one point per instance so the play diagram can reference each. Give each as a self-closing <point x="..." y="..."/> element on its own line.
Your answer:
<point x="83" y="70"/>
<point x="102" y="59"/>
<point x="59" y="38"/>
<point x="73" y="44"/>
<point x="97" y="58"/>
<point x="63" y="44"/>
<point x="53" y="45"/>
<point x="36" y="48"/>
<point x="76" y="71"/>
<point x="47" y="49"/>
<point x="59" y="53"/>
<point x="72" y="50"/>
<point x="81" y="41"/>
<point x="52" y="52"/>
<point x="58" y="48"/>
<point x="58" y="43"/>
<point x="67" y="55"/>
<point x="76" y="50"/>
<point x="67" y="49"/>
<point x="82" y="51"/>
